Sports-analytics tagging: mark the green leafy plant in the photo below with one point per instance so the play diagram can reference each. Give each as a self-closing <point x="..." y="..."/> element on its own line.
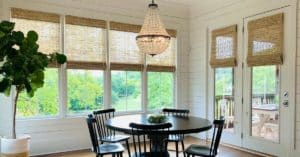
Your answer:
<point x="21" y="64"/>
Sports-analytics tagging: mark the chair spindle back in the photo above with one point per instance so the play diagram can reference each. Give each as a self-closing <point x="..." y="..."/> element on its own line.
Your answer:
<point x="101" y="116"/>
<point x="91" y="122"/>
<point x="176" y="112"/>
<point x="217" y="133"/>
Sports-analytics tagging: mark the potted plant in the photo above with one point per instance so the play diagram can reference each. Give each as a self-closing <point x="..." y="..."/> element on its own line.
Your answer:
<point x="21" y="69"/>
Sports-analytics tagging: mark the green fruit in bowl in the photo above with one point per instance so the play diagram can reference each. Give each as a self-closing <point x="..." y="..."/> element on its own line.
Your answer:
<point x="157" y="118"/>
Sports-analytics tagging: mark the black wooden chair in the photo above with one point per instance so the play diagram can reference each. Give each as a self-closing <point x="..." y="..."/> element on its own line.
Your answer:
<point x="176" y="137"/>
<point x="107" y="135"/>
<point x="206" y="151"/>
<point x="157" y="135"/>
<point x="115" y="149"/>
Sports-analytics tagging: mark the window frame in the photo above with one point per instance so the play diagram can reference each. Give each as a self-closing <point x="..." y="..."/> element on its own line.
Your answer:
<point x="62" y="81"/>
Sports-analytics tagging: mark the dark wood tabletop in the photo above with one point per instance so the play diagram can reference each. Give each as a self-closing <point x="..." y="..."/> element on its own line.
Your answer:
<point x="180" y="125"/>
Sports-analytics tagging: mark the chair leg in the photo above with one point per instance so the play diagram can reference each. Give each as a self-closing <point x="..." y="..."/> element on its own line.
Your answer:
<point x="121" y="155"/>
<point x="182" y="144"/>
<point x="176" y="143"/>
<point x="166" y="146"/>
<point x="128" y="148"/>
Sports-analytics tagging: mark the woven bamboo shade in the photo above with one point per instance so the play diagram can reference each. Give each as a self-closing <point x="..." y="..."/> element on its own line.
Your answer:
<point x="85" y="43"/>
<point x="223" y="47"/>
<point x="124" y="53"/>
<point x="265" y="39"/>
<point x="45" y="24"/>
<point x="165" y="59"/>
<point x="34" y="15"/>
<point x="73" y="20"/>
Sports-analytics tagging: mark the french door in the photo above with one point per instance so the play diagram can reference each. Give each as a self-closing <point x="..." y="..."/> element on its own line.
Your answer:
<point x="257" y="102"/>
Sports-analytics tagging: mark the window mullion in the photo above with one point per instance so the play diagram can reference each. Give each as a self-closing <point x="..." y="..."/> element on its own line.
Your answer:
<point x="107" y="72"/>
<point x="63" y="96"/>
<point x="126" y="92"/>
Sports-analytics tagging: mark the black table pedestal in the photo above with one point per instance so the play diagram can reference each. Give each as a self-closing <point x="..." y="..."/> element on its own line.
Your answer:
<point x="158" y="143"/>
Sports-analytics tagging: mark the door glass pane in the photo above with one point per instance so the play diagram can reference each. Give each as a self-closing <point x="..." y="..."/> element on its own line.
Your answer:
<point x="224" y="96"/>
<point x="265" y="102"/>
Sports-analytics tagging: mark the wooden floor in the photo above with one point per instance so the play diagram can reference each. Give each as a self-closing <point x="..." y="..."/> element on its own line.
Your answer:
<point x="224" y="151"/>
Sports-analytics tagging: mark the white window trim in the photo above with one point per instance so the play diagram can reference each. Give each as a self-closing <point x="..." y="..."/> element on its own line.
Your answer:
<point x="62" y="83"/>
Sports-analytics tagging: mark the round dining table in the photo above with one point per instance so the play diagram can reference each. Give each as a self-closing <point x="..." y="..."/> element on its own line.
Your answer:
<point x="180" y="125"/>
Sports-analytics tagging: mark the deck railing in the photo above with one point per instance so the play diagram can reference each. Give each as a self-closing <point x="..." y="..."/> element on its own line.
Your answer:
<point x="224" y="105"/>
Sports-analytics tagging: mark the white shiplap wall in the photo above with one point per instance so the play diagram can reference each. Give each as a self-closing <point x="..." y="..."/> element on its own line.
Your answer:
<point x="70" y="133"/>
<point x="298" y="83"/>
<point x="198" y="60"/>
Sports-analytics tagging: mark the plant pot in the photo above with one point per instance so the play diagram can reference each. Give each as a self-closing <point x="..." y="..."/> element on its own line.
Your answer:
<point x="18" y="147"/>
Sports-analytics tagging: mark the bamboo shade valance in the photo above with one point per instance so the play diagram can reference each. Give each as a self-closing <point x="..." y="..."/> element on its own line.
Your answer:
<point x="117" y="26"/>
<point x="156" y="68"/>
<point x="223" y="47"/>
<point x="124" y="27"/>
<point x="126" y="67"/>
<point x="265" y="41"/>
<point x="124" y="53"/>
<point x="172" y="33"/>
<point x="45" y="24"/>
<point x="86" y="65"/>
<point x="34" y="15"/>
<point x="73" y="20"/>
<point x="85" y="43"/>
<point x="165" y="59"/>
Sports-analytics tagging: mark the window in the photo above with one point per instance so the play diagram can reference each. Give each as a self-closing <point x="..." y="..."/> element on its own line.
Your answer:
<point x="127" y="64"/>
<point x="160" y="72"/>
<point x="85" y="91"/>
<point x="160" y="90"/>
<point x="126" y="90"/>
<point x="95" y="54"/>
<point x="45" y="101"/>
<point x="85" y="49"/>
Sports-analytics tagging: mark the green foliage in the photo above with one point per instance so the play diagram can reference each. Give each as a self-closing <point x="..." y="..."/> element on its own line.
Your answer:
<point x="264" y="80"/>
<point x="126" y="90"/>
<point x="160" y="90"/>
<point x="45" y="100"/>
<point x="85" y="90"/>
<point x="224" y="81"/>
<point x="23" y="65"/>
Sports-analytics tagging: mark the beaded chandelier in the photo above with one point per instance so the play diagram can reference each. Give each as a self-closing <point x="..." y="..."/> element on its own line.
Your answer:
<point x="153" y="38"/>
